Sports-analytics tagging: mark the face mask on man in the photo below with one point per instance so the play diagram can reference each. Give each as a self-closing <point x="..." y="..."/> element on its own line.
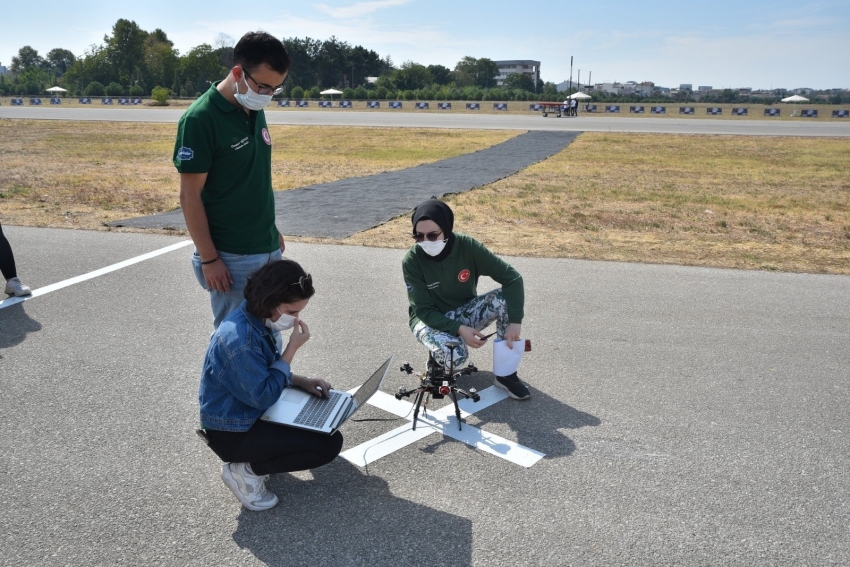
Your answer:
<point x="283" y="323"/>
<point x="433" y="248"/>
<point x="250" y="100"/>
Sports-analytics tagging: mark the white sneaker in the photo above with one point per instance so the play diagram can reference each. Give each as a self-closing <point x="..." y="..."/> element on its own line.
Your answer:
<point x="16" y="288"/>
<point x="249" y="488"/>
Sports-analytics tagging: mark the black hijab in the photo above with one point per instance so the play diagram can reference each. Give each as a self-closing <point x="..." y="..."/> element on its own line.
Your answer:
<point x="439" y="212"/>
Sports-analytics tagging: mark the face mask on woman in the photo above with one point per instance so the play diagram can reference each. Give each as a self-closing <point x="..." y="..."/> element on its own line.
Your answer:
<point x="251" y="100"/>
<point x="283" y="323"/>
<point x="433" y="248"/>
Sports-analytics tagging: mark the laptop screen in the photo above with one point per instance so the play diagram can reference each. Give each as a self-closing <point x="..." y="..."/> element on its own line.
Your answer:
<point x="371" y="385"/>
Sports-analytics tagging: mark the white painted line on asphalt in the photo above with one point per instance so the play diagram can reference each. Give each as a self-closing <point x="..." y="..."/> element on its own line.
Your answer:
<point x="75" y="280"/>
<point x="442" y="420"/>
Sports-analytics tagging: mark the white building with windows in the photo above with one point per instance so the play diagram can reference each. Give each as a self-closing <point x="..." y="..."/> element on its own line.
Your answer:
<point x="531" y="68"/>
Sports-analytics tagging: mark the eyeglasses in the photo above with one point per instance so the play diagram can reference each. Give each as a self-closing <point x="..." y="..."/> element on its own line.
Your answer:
<point x="262" y="88"/>
<point x="431" y="236"/>
<point x="306" y="282"/>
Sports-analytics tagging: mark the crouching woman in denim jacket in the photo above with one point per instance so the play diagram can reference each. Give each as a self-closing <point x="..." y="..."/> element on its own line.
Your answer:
<point x="244" y="374"/>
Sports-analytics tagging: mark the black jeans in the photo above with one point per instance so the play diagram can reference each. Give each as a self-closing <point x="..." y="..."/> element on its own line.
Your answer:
<point x="7" y="260"/>
<point x="272" y="448"/>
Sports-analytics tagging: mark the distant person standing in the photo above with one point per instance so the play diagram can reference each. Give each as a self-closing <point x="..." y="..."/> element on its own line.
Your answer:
<point x="223" y="155"/>
<point x="573" y="107"/>
<point x="14" y="286"/>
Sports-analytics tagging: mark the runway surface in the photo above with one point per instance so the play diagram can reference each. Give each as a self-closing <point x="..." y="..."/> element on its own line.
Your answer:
<point x="688" y="416"/>
<point x="530" y="121"/>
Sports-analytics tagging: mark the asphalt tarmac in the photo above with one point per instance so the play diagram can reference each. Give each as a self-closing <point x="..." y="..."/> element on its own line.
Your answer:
<point x="471" y="120"/>
<point x="688" y="416"/>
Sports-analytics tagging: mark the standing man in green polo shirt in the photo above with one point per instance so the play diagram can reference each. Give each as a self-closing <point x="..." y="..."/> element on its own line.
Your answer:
<point x="223" y="154"/>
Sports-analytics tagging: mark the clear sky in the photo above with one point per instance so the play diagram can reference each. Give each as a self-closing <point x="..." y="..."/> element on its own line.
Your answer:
<point x="722" y="43"/>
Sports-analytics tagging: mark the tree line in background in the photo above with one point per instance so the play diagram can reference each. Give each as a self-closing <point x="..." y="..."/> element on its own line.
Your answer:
<point x="134" y="62"/>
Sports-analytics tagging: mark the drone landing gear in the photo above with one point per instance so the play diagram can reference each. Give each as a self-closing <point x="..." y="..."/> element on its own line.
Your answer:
<point x="438" y="383"/>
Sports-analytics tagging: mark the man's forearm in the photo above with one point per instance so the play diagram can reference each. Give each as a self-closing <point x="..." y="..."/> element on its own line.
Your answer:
<point x="199" y="229"/>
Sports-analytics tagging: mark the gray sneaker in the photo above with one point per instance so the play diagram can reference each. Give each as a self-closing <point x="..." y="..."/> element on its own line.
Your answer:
<point x="16" y="288"/>
<point x="249" y="488"/>
<point x="514" y="387"/>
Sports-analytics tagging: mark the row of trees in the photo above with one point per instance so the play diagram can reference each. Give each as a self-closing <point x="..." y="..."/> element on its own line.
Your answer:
<point x="431" y="92"/>
<point x="132" y="61"/>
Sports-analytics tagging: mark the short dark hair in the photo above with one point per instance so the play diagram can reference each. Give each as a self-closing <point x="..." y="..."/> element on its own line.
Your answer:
<point x="275" y="283"/>
<point x="256" y="48"/>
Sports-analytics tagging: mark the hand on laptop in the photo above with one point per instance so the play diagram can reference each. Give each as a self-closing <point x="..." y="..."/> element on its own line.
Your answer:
<point x="315" y="386"/>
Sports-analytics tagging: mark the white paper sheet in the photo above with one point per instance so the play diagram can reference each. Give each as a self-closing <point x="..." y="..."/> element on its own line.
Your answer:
<point x="506" y="360"/>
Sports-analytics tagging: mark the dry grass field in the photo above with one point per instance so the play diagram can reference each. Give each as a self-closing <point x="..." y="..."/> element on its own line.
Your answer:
<point x="85" y="174"/>
<point x="738" y="202"/>
<point x="723" y="201"/>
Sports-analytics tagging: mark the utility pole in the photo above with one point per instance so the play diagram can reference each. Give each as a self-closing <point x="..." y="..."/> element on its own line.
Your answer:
<point x="578" y="81"/>
<point x="571" y="74"/>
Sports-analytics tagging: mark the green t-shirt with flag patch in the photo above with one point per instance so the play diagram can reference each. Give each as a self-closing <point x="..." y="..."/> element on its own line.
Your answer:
<point x="437" y="287"/>
<point x="234" y="149"/>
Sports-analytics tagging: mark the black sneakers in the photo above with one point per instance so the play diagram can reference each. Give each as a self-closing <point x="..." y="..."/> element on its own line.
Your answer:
<point x="514" y="387"/>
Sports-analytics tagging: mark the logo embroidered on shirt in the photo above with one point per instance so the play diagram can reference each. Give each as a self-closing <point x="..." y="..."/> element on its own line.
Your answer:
<point x="463" y="276"/>
<point x="266" y="137"/>
<point x="434" y="285"/>
<point x="409" y="288"/>
<point x="185" y="154"/>
<point x="239" y="144"/>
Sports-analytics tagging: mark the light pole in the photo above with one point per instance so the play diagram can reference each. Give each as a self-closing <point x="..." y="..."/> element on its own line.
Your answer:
<point x="571" y="74"/>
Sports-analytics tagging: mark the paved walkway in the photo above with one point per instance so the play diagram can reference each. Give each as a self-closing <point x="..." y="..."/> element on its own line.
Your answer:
<point x="737" y="126"/>
<point x="342" y="208"/>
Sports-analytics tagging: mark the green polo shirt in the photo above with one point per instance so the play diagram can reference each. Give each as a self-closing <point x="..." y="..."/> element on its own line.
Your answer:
<point x="234" y="149"/>
<point x="437" y="287"/>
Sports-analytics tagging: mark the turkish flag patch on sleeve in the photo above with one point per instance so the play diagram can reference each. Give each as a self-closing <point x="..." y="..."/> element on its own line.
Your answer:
<point x="463" y="276"/>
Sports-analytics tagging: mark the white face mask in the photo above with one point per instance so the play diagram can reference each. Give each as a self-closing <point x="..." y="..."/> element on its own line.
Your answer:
<point x="283" y="323"/>
<point x="250" y="100"/>
<point x="433" y="248"/>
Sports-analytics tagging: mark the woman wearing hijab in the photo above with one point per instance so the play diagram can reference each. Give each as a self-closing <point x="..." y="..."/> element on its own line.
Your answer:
<point x="441" y="272"/>
<point x="245" y="372"/>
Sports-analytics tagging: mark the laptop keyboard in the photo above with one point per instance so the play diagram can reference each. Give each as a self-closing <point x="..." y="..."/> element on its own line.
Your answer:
<point x="315" y="413"/>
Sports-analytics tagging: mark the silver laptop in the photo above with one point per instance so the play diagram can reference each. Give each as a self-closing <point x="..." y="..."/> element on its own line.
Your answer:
<point x="297" y="408"/>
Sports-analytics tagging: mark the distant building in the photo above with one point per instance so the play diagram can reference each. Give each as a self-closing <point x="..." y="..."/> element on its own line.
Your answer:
<point x="704" y="89"/>
<point x="565" y="86"/>
<point x="3" y="70"/>
<point x="645" y="88"/>
<point x="610" y="88"/>
<point x="526" y="66"/>
<point x="686" y="87"/>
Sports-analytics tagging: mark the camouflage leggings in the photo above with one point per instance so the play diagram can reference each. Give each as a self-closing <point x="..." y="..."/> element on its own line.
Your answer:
<point x="476" y="313"/>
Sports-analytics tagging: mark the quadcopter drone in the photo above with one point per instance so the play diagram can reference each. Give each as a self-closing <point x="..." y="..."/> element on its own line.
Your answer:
<point x="437" y="383"/>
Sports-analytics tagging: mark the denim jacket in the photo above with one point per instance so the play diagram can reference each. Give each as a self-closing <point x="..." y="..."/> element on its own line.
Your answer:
<point x="243" y="374"/>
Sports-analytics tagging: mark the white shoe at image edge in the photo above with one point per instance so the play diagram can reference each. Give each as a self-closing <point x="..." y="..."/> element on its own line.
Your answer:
<point x="16" y="288"/>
